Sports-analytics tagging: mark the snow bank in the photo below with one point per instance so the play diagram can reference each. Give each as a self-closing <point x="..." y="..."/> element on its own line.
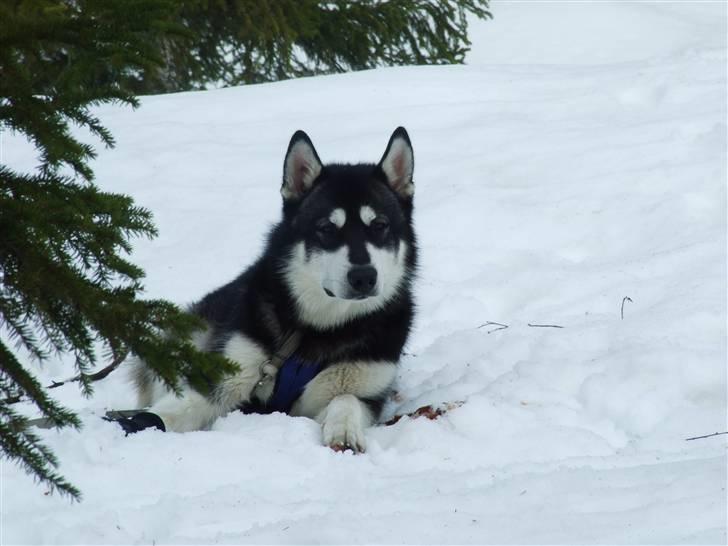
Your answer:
<point x="560" y="172"/>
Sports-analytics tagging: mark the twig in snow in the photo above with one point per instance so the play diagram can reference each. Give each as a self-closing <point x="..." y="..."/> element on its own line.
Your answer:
<point x="544" y="325"/>
<point x="489" y="323"/>
<point x="624" y="299"/>
<point x="706" y="436"/>
<point x="96" y="376"/>
<point x="430" y="412"/>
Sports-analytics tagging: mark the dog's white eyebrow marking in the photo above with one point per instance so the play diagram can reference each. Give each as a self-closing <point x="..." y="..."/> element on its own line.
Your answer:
<point x="338" y="217"/>
<point x="367" y="214"/>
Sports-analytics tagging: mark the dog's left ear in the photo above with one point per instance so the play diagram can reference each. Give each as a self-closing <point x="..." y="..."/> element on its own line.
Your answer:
<point x="300" y="168"/>
<point x="398" y="163"/>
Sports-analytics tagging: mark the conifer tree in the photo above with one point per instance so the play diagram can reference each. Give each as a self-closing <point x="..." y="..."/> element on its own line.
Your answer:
<point x="229" y="42"/>
<point x="66" y="283"/>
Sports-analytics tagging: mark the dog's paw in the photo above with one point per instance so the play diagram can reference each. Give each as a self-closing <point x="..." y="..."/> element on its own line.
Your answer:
<point x="342" y="425"/>
<point x="344" y="436"/>
<point x="138" y="422"/>
<point x="346" y="439"/>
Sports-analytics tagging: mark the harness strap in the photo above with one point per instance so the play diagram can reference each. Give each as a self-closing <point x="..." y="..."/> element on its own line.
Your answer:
<point x="286" y="349"/>
<point x="269" y="368"/>
<point x="292" y="379"/>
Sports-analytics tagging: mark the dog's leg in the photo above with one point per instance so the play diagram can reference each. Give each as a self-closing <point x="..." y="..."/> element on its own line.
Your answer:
<point x="343" y="422"/>
<point x="143" y="381"/>
<point x="151" y="389"/>
<point x="195" y="411"/>
<point x="191" y="411"/>
<point x="238" y="388"/>
<point x="337" y="397"/>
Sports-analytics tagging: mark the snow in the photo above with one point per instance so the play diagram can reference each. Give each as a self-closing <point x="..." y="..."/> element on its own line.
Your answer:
<point x="580" y="158"/>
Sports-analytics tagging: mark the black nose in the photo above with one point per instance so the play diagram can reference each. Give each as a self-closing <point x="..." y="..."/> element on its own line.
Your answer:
<point x="363" y="279"/>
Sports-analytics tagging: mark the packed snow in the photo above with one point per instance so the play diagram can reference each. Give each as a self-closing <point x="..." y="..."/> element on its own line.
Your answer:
<point x="578" y="159"/>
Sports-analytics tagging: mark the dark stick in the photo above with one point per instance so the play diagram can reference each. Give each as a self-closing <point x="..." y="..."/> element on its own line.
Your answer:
<point x="96" y="376"/>
<point x="544" y="325"/>
<point x="626" y="298"/>
<point x="489" y="323"/>
<point x="706" y="436"/>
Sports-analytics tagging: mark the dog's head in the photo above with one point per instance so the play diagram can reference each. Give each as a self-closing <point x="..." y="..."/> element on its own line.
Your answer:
<point x="351" y="226"/>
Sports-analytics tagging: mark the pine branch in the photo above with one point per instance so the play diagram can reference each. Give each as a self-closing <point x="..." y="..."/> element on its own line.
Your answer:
<point x="247" y="41"/>
<point x="25" y="448"/>
<point x="14" y="379"/>
<point x="85" y="377"/>
<point x="66" y="284"/>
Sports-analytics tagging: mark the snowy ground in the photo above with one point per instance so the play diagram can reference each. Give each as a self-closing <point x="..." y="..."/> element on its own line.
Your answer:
<point x="579" y="159"/>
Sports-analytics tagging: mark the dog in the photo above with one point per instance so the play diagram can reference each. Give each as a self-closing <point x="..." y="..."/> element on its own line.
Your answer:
<point x="318" y="323"/>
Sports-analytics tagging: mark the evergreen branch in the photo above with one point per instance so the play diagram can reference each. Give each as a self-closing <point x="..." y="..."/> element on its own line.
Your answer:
<point x="64" y="284"/>
<point x="89" y="377"/>
<point x="247" y="41"/>
<point x="24" y="447"/>
<point x="26" y="386"/>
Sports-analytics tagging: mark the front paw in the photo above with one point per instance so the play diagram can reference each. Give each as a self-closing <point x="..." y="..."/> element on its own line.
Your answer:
<point x="343" y="425"/>
<point x="344" y="437"/>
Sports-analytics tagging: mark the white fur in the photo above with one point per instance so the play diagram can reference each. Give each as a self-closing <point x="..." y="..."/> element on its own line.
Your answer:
<point x="338" y="217"/>
<point x="308" y="276"/>
<point x="333" y="267"/>
<point x="343" y="423"/>
<point x="367" y="214"/>
<point x="235" y="389"/>
<point x="362" y="379"/>
<point x="150" y="389"/>
<point x="398" y="165"/>
<point x="332" y="398"/>
<point x="193" y="411"/>
<point x="390" y="268"/>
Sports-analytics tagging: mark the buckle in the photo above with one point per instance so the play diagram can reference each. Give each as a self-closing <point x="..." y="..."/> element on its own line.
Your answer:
<point x="264" y="388"/>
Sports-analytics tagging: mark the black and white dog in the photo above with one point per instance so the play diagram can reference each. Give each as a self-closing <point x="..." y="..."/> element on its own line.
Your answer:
<point x="318" y="323"/>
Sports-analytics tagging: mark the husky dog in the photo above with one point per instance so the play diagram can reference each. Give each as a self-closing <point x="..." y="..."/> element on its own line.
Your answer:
<point x="327" y="308"/>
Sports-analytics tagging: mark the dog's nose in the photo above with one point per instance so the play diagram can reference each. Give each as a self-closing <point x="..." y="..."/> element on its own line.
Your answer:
<point x="363" y="279"/>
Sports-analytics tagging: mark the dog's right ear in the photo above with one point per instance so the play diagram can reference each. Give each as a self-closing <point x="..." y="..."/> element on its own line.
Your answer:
<point x="300" y="168"/>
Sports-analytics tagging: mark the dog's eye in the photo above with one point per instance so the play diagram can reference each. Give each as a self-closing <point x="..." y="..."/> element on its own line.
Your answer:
<point x="326" y="228"/>
<point x="379" y="225"/>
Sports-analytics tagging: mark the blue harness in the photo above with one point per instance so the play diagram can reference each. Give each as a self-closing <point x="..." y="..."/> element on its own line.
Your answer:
<point x="292" y="378"/>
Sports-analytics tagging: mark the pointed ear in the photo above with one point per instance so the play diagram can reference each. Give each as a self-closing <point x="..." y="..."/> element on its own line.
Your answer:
<point x="300" y="168"/>
<point x="398" y="163"/>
